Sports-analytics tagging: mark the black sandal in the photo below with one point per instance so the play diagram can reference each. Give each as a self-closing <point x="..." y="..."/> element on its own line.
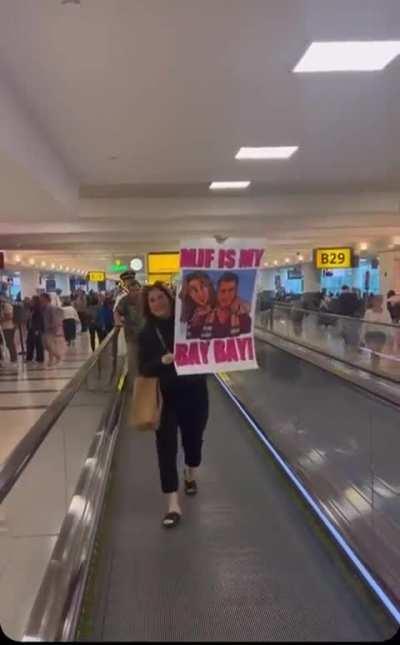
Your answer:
<point x="190" y="487"/>
<point x="171" y="519"/>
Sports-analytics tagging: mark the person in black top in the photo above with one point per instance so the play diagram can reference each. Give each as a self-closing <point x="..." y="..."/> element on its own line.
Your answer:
<point x="349" y="305"/>
<point x="185" y="398"/>
<point x="35" y="326"/>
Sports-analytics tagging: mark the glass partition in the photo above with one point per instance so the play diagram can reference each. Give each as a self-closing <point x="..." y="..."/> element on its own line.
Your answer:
<point x="32" y="513"/>
<point x="371" y="346"/>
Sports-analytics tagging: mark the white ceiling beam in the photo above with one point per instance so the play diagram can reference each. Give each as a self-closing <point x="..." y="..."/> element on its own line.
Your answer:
<point x="271" y="206"/>
<point x="24" y="141"/>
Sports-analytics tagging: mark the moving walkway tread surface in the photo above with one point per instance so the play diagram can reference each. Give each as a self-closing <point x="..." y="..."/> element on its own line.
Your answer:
<point x="247" y="563"/>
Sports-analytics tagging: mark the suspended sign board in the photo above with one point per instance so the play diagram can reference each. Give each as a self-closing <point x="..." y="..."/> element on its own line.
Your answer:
<point x="163" y="262"/>
<point x="117" y="268"/>
<point x="162" y="266"/>
<point x="295" y="273"/>
<point x="333" y="258"/>
<point x="96" y="276"/>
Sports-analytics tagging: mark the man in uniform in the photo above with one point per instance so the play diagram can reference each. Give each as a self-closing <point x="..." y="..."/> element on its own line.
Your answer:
<point x="127" y="314"/>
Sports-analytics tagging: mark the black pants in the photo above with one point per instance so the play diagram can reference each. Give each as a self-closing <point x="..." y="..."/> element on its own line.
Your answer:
<point x="9" y="336"/>
<point x="69" y="329"/>
<point x="84" y="320"/>
<point x="185" y="407"/>
<point x="34" y="343"/>
<point x="93" y="331"/>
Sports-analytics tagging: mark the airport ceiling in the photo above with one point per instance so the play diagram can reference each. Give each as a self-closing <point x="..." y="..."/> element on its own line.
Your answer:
<point x="117" y="114"/>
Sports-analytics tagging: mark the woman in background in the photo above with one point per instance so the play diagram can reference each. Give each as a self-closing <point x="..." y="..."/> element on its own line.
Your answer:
<point x="92" y="312"/>
<point x="34" y="343"/>
<point x="70" y="319"/>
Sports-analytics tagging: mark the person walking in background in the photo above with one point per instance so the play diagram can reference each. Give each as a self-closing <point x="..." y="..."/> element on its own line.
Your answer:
<point x="130" y="317"/>
<point x="93" y="308"/>
<point x="393" y="306"/>
<point x="374" y="335"/>
<point x="184" y="399"/>
<point x="105" y="317"/>
<point x="53" y="338"/>
<point x="34" y="340"/>
<point x="349" y="305"/>
<point x="8" y="328"/>
<point x="81" y="306"/>
<point x="70" y="319"/>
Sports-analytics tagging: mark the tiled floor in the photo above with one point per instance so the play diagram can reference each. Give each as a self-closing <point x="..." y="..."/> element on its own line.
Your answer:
<point x="27" y="391"/>
<point x="31" y="514"/>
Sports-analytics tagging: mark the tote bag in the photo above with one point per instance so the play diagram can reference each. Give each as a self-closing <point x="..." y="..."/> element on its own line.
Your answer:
<point x="146" y="401"/>
<point x="146" y="404"/>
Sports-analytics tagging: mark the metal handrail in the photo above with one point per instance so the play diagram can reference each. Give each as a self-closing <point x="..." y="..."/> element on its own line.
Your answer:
<point x="291" y="307"/>
<point x="16" y="462"/>
<point x="56" y="610"/>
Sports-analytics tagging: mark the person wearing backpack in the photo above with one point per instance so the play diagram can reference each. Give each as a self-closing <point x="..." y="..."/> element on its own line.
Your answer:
<point x="8" y="328"/>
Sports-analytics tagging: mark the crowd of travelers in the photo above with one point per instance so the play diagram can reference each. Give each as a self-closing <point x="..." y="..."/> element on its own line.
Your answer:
<point x="50" y="322"/>
<point x="363" y="321"/>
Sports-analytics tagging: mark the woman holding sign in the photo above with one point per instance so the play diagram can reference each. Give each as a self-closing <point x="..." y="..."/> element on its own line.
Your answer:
<point x="185" y="399"/>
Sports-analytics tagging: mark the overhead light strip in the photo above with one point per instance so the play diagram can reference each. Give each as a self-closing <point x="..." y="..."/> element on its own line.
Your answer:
<point x="348" y="56"/>
<point x="362" y="569"/>
<point x="225" y="185"/>
<point x="277" y="152"/>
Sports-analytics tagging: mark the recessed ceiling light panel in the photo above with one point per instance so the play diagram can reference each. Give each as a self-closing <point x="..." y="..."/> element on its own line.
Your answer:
<point x="275" y="152"/>
<point x="226" y="185"/>
<point x="348" y="56"/>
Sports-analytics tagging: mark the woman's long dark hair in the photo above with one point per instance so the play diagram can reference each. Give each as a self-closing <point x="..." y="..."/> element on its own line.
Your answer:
<point x="188" y="304"/>
<point x="145" y="299"/>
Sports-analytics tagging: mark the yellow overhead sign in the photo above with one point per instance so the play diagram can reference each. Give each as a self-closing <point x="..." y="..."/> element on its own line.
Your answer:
<point x="96" y="276"/>
<point x="163" y="263"/>
<point x="334" y="258"/>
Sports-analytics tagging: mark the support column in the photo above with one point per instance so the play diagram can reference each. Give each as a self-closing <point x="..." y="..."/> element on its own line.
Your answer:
<point x="62" y="282"/>
<point x="29" y="282"/>
<point x="389" y="265"/>
<point x="311" y="277"/>
<point x="266" y="280"/>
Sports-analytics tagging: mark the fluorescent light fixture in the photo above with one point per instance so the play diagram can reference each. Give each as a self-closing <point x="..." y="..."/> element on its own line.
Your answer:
<point x="43" y="263"/>
<point x="17" y="258"/>
<point x="301" y="258"/>
<point x="363" y="246"/>
<point x="276" y="262"/>
<point x="266" y="264"/>
<point x="32" y="261"/>
<point x="348" y="56"/>
<point x="276" y="152"/>
<point x="53" y="266"/>
<point x="224" y="185"/>
<point x="287" y="260"/>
